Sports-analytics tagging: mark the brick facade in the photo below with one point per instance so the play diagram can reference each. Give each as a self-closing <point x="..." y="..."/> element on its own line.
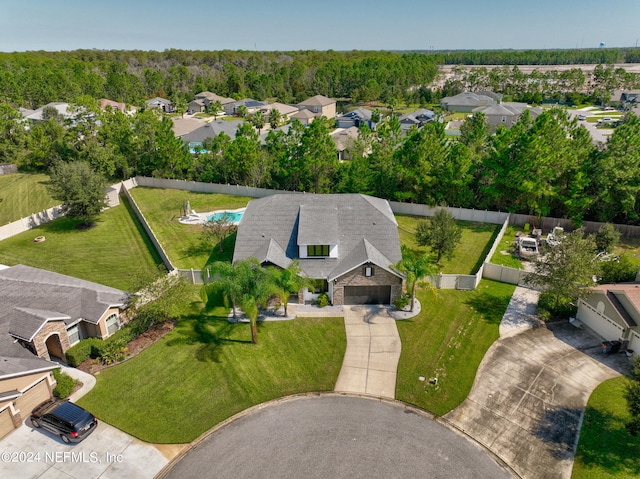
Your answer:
<point x="356" y="277"/>
<point x="49" y="329"/>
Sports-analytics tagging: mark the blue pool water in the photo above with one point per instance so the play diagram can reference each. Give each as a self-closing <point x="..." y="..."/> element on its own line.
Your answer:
<point x="234" y="217"/>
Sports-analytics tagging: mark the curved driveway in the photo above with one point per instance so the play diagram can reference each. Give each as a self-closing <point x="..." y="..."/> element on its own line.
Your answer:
<point x="335" y="436"/>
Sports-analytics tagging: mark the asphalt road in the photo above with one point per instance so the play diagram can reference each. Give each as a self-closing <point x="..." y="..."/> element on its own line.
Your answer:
<point x="336" y="437"/>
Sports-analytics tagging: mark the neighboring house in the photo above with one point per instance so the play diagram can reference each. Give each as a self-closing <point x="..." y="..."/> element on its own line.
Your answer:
<point x="613" y="311"/>
<point x="209" y="130"/>
<point x="320" y="106"/>
<point x="467" y="102"/>
<point x="251" y="105"/>
<point x="417" y="118"/>
<point x="304" y="116"/>
<point x="506" y="114"/>
<point x="209" y="97"/>
<point x="360" y="116"/>
<point x="285" y="111"/>
<point x="344" y="139"/>
<point x="197" y="106"/>
<point x="161" y="104"/>
<point x="37" y="115"/>
<point x="105" y="103"/>
<point x="46" y="312"/>
<point x="345" y="243"/>
<point x="265" y="133"/>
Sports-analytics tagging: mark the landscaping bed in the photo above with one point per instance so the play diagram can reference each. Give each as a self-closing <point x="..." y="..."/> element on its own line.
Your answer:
<point x="134" y="347"/>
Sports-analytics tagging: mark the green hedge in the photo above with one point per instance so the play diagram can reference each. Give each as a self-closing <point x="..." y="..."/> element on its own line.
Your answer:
<point x="82" y="351"/>
<point x="65" y="384"/>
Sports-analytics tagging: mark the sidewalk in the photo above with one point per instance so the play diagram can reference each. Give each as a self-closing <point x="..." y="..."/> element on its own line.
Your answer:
<point x="521" y="313"/>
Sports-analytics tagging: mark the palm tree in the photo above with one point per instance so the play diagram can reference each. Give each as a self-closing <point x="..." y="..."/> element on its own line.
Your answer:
<point x="215" y="107"/>
<point x="414" y="267"/>
<point x="287" y="281"/>
<point x="257" y="120"/>
<point x="275" y="117"/>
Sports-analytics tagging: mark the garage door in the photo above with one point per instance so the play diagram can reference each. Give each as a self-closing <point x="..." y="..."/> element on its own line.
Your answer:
<point x="6" y="424"/>
<point x="367" y="294"/>
<point x="32" y="397"/>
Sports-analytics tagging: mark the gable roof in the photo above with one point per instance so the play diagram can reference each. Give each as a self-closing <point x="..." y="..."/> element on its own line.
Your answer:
<point x="359" y="113"/>
<point x="271" y="252"/>
<point x="214" y="128"/>
<point x="318" y="100"/>
<point x="625" y="298"/>
<point x="30" y="297"/>
<point x="212" y="97"/>
<point x="344" y="137"/>
<point x="291" y="220"/>
<point x="468" y="99"/>
<point x="303" y="115"/>
<point x="281" y="107"/>
<point x="363" y="253"/>
<point x="418" y="116"/>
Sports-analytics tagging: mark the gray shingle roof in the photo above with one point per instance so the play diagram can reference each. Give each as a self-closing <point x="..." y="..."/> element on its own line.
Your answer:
<point x="12" y="365"/>
<point x="318" y="225"/>
<point x="468" y="99"/>
<point x="26" y="322"/>
<point x="212" y="129"/>
<point x="357" y="217"/>
<point x="271" y="252"/>
<point x="364" y="252"/>
<point x="318" y="100"/>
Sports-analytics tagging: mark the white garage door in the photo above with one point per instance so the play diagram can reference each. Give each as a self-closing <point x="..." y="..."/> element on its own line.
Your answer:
<point x="600" y="324"/>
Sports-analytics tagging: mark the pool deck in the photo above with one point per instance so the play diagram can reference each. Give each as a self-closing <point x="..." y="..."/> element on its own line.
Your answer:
<point x="195" y="218"/>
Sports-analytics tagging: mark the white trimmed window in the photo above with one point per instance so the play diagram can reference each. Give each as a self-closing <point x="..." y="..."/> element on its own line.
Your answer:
<point x="112" y="324"/>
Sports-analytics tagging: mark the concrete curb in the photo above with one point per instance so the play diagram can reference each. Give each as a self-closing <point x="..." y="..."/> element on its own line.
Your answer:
<point x="310" y="395"/>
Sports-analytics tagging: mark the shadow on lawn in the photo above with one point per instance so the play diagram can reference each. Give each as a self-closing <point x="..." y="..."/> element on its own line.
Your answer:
<point x="210" y="333"/>
<point x="490" y="307"/>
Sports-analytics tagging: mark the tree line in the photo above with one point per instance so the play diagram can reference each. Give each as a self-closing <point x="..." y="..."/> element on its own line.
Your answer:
<point x="542" y="167"/>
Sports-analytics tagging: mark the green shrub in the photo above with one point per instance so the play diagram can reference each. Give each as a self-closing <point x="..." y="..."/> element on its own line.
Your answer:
<point x="113" y="350"/>
<point x="65" y="384"/>
<point x="620" y="271"/>
<point x="323" y="300"/>
<point x="81" y="351"/>
<point x="548" y="309"/>
<point x="402" y="302"/>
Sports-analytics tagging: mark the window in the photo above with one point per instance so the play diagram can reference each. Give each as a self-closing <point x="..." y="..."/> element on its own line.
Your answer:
<point x="112" y="324"/>
<point x="318" y="250"/>
<point x="320" y="286"/>
<point x="504" y="119"/>
<point x="368" y="271"/>
<point x="74" y="334"/>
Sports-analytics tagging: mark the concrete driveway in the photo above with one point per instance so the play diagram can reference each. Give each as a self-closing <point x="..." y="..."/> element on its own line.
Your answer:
<point x="530" y="392"/>
<point x="107" y="453"/>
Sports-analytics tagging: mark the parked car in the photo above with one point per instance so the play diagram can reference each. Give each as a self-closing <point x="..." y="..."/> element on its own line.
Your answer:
<point x="582" y="117"/>
<point x="527" y="247"/>
<point x="65" y="419"/>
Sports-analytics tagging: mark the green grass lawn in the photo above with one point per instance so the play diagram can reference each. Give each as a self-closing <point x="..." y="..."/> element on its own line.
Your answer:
<point x="112" y="253"/>
<point x="447" y="340"/>
<point x="207" y="370"/>
<point x="506" y="244"/>
<point x="23" y="194"/>
<point x="468" y="256"/>
<point x="183" y="243"/>
<point x="605" y="448"/>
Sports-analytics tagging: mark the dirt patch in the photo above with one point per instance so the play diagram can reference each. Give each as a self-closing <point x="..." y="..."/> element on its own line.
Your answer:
<point x="134" y="347"/>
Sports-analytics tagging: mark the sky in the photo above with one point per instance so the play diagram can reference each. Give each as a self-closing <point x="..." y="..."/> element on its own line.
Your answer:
<point x="54" y="25"/>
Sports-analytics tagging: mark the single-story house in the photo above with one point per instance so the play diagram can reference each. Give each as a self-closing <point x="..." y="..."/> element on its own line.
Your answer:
<point x="344" y="139"/>
<point x="320" y="106"/>
<point x="357" y="117"/>
<point x="209" y="97"/>
<point x="211" y="129"/>
<point x="613" y="311"/>
<point x="466" y="102"/>
<point x="304" y="116"/>
<point x="161" y="104"/>
<point x="506" y="114"/>
<point x="251" y="105"/>
<point x="417" y="118"/>
<point x="346" y="243"/>
<point x="46" y="313"/>
<point x="61" y="108"/>
<point x="115" y="105"/>
<point x="285" y="111"/>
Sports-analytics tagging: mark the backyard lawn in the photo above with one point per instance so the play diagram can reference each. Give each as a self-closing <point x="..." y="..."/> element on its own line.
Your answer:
<point x="112" y="253"/>
<point x="605" y="448"/>
<point x="506" y="245"/>
<point x="183" y="243"/>
<point x="207" y="370"/>
<point x="23" y="194"/>
<point x="468" y="256"/>
<point x="447" y="340"/>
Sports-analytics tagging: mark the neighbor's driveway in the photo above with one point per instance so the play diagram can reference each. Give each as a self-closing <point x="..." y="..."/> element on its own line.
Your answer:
<point x="530" y="392"/>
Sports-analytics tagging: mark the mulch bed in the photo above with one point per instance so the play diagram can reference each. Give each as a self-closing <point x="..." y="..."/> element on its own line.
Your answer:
<point x="134" y="347"/>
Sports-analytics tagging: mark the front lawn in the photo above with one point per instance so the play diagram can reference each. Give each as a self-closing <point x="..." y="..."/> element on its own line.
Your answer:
<point x="448" y="340"/>
<point x="112" y="253"/>
<point x="183" y="243"/>
<point x="23" y="194"/>
<point x="468" y="256"/>
<point x="605" y="448"/>
<point x="207" y="370"/>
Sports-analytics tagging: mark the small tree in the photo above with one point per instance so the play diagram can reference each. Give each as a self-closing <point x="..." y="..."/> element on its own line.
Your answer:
<point x="243" y="112"/>
<point x="257" y="120"/>
<point x="568" y="269"/>
<point x="275" y="117"/>
<point x="288" y="281"/>
<point x="414" y="268"/>
<point x="215" y="107"/>
<point x="218" y="229"/>
<point x="440" y="233"/>
<point x="607" y="237"/>
<point x="81" y="190"/>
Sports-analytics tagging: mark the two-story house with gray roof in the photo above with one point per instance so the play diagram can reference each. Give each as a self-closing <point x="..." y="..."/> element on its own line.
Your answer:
<point x="345" y="242"/>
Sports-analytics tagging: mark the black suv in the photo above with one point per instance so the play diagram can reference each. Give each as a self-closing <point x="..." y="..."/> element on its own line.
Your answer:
<point x="64" y="418"/>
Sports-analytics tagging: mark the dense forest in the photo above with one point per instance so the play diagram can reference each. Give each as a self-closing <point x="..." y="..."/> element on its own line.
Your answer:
<point x="572" y="56"/>
<point x="547" y="166"/>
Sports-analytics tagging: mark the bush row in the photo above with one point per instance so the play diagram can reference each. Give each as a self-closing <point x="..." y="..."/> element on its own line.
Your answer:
<point x="65" y="384"/>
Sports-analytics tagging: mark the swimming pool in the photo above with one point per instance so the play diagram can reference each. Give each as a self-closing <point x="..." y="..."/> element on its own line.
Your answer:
<point x="233" y="216"/>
